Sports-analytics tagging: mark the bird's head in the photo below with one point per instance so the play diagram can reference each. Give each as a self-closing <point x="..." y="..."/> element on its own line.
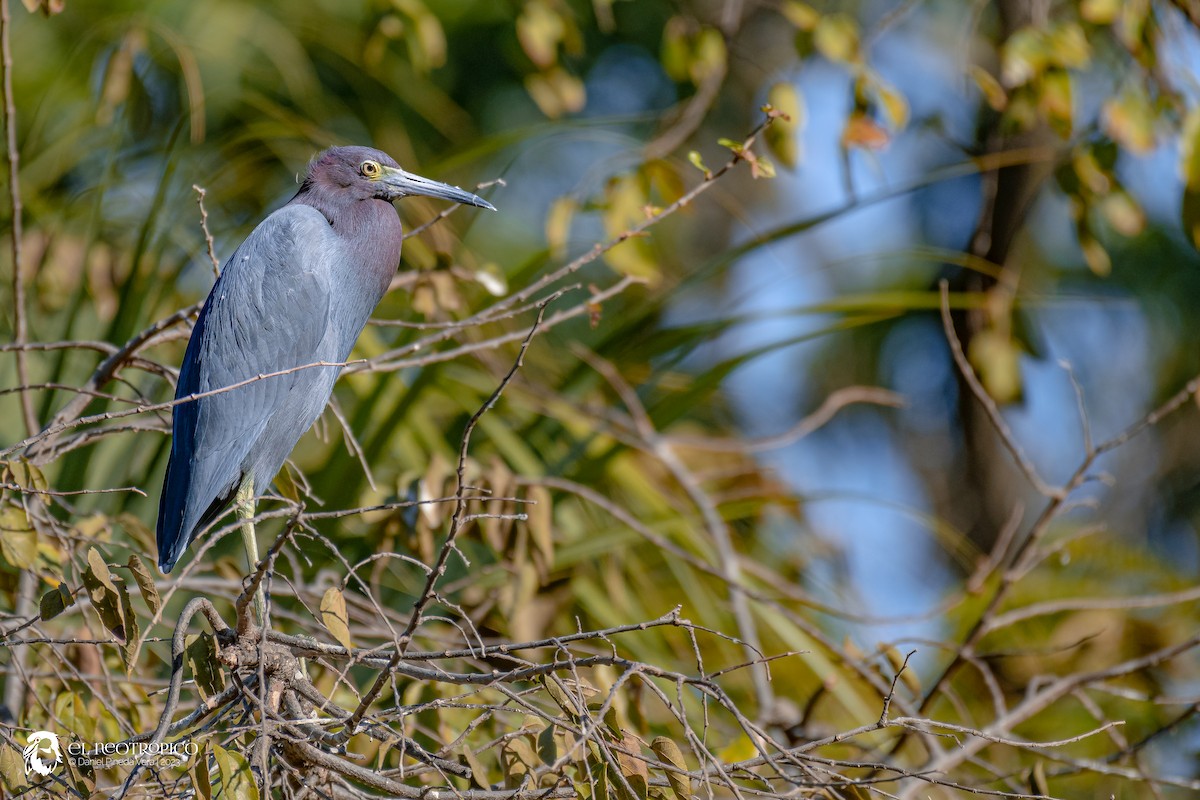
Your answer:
<point x="364" y="173"/>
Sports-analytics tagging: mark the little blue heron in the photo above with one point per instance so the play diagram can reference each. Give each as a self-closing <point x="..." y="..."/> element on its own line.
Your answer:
<point x="297" y="292"/>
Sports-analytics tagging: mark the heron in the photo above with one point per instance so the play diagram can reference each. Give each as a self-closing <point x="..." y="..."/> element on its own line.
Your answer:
<point x="281" y="318"/>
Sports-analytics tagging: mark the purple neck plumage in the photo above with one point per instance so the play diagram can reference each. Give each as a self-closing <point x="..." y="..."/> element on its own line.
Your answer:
<point x="369" y="228"/>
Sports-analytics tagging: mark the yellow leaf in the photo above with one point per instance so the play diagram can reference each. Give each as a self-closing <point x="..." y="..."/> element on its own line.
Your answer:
<point x="145" y="582"/>
<point x="1090" y="173"/>
<point x="740" y="749"/>
<point x="997" y="360"/>
<point x="1054" y="100"/>
<point x="676" y="51"/>
<point x="1189" y="149"/>
<point x="541" y="525"/>
<point x="1123" y="213"/>
<point x="783" y="134"/>
<point x="558" y="224"/>
<point x="540" y="30"/>
<point x="836" y="38"/>
<point x="669" y="753"/>
<point x="18" y="539"/>
<point x="1095" y="255"/>
<point x="1069" y="45"/>
<point x="333" y="615"/>
<point x="556" y="92"/>
<point x="431" y="40"/>
<point x="993" y="93"/>
<point x="708" y="55"/>
<point x="893" y="103"/>
<point x="1024" y="56"/>
<point x="624" y="208"/>
<point x="1100" y="12"/>
<point x="802" y="15"/>
<point x="633" y="768"/>
<point x="1129" y="118"/>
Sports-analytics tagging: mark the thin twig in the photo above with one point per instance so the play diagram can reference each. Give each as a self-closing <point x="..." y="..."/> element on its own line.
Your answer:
<point x="989" y="405"/>
<point x="208" y="239"/>
<point x="20" y="328"/>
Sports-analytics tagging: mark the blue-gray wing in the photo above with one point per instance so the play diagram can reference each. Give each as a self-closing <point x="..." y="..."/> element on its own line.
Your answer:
<point x="269" y="311"/>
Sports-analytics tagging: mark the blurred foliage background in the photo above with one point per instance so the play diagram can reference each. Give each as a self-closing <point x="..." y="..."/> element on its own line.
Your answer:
<point x="1043" y="158"/>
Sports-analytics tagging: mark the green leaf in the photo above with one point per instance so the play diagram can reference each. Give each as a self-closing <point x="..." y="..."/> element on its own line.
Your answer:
<point x="333" y="615"/>
<point x="696" y="161"/>
<point x="99" y="569"/>
<point x="55" y="601"/>
<point x="145" y="583"/>
<point x="547" y="747"/>
<point x="560" y="696"/>
<point x="12" y="768"/>
<point x="237" y="781"/>
<point x="736" y="147"/>
<point x="201" y="780"/>
<point x="109" y="597"/>
<point x="200" y="654"/>
<point x="130" y="630"/>
<point x="1189" y="211"/>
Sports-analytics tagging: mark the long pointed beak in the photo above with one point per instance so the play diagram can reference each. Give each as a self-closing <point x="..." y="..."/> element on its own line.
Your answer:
<point x="405" y="183"/>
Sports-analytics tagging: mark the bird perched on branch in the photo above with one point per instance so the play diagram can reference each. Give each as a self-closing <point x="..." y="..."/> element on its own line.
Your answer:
<point x="289" y="305"/>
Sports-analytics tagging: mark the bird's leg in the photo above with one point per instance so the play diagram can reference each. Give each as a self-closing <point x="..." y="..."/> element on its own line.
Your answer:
<point x="244" y="508"/>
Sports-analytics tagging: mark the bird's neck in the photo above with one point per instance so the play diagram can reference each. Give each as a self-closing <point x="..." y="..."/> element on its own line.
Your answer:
<point x="371" y="233"/>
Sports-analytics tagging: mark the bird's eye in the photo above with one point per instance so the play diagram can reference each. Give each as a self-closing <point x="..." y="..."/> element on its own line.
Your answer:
<point x="370" y="169"/>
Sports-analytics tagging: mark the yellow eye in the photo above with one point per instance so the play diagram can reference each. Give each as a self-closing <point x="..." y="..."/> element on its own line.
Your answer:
<point x="370" y="169"/>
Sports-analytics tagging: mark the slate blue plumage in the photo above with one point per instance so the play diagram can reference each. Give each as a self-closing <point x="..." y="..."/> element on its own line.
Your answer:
<point x="298" y="291"/>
